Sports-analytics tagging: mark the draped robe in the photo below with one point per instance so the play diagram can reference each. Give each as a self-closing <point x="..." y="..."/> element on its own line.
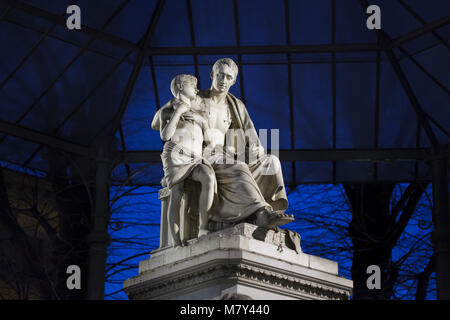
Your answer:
<point x="243" y="188"/>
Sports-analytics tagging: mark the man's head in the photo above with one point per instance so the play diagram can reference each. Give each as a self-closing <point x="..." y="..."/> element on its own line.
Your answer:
<point x="185" y="84"/>
<point x="224" y="74"/>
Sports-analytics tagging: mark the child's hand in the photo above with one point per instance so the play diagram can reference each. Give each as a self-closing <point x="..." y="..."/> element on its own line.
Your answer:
<point x="194" y="117"/>
<point x="182" y="108"/>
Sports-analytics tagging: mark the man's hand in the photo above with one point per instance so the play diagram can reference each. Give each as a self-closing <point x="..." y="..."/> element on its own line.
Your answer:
<point x="257" y="150"/>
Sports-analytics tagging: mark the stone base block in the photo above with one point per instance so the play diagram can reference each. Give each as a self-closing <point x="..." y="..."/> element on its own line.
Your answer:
<point x="242" y="262"/>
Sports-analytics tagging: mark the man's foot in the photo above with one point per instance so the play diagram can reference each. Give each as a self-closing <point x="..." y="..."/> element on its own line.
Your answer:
<point x="202" y="232"/>
<point x="271" y="220"/>
<point x="184" y="243"/>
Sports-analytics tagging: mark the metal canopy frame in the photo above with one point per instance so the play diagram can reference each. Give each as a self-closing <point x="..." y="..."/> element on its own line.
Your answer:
<point x="143" y="49"/>
<point x="99" y="148"/>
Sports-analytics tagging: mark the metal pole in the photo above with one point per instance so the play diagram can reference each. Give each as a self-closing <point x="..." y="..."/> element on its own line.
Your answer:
<point x="99" y="239"/>
<point x="441" y="233"/>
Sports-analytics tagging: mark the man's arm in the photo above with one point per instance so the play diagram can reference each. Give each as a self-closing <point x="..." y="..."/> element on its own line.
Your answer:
<point x="156" y="122"/>
<point x="252" y="137"/>
<point x="207" y="133"/>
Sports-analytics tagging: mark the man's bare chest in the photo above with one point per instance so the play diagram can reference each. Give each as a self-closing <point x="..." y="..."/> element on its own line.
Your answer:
<point x="219" y="115"/>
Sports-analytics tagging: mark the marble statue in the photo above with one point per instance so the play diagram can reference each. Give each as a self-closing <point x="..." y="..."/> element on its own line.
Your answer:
<point x="182" y="127"/>
<point x="213" y="159"/>
<point x="252" y="192"/>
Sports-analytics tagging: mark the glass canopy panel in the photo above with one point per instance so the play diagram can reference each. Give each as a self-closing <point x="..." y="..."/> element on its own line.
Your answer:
<point x="175" y="60"/>
<point x="61" y="33"/>
<point x="395" y="20"/>
<point x="39" y="74"/>
<point x="264" y="59"/>
<point x="110" y="51"/>
<point x="351" y="24"/>
<point x="136" y="123"/>
<point x="267" y="99"/>
<point x="214" y="23"/>
<point x="172" y="29"/>
<point x="63" y="91"/>
<point x="261" y="23"/>
<point x="312" y="100"/>
<point x="16" y="150"/>
<point x="355" y="57"/>
<point x="419" y="45"/>
<point x="355" y="105"/>
<point x="430" y="11"/>
<point x="433" y="99"/>
<point x="444" y="32"/>
<point x="398" y="122"/>
<point x="95" y="116"/>
<point x="265" y="86"/>
<point x="309" y="58"/>
<point x="310" y="22"/>
<point x="133" y="21"/>
<point x="15" y="89"/>
<point x="96" y="13"/>
<point x="314" y="172"/>
<point x="55" y="7"/>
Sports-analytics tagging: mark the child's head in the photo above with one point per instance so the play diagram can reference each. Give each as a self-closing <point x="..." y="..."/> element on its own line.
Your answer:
<point x="185" y="84"/>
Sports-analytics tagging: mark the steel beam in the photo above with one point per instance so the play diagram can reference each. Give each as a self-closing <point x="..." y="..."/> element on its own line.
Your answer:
<point x="281" y="49"/>
<point x="333" y="84"/>
<point x="137" y="68"/>
<point x="30" y="52"/>
<point x="65" y="40"/>
<point x="192" y="33"/>
<point x="441" y="218"/>
<point x="92" y="32"/>
<point x="388" y="45"/>
<point x="423" y="22"/>
<point x="238" y="45"/>
<point x="123" y="43"/>
<point x="67" y="67"/>
<point x="377" y="111"/>
<point x="439" y="166"/>
<point x="290" y="88"/>
<point x="42" y="138"/>
<point x="117" y="41"/>
<point x="99" y="238"/>
<point x="427" y="73"/>
<point x="420" y="32"/>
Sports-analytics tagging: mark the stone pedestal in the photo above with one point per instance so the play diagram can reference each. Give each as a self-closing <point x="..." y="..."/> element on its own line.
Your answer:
<point x="242" y="262"/>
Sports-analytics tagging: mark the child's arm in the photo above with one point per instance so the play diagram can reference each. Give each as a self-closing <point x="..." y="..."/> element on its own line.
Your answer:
<point x="168" y="127"/>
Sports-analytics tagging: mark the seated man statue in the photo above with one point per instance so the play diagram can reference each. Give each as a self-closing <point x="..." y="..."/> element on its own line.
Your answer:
<point x="247" y="190"/>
